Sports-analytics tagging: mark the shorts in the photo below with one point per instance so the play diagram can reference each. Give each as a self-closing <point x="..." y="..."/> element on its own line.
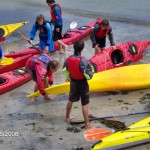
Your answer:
<point x="101" y="42"/>
<point x="57" y="35"/>
<point x="43" y="45"/>
<point x="33" y="75"/>
<point x="79" y="90"/>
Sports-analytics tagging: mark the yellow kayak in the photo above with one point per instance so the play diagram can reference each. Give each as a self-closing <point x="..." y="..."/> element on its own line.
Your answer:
<point x="136" y="133"/>
<point x="7" y="29"/>
<point x="123" y="78"/>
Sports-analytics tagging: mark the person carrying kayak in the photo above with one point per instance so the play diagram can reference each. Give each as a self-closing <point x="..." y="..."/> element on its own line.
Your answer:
<point x="41" y="68"/>
<point x="98" y="35"/>
<point x="78" y="70"/>
<point x="45" y="34"/>
<point x="57" y="21"/>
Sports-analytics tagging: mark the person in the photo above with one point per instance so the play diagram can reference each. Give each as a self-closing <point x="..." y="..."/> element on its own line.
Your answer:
<point x="41" y="68"/>
<point x="45" y="34"/>
<point x="78" y="70"/>
<point x="99" y="33"/>
<point x="57" y="21"/>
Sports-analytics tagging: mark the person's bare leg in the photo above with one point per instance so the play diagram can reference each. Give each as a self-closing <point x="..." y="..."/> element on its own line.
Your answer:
<point x="62" y="46"/>
<point x="68" y="110"/>
<point x="86" y="118"/>
<point x="33" y="100"/>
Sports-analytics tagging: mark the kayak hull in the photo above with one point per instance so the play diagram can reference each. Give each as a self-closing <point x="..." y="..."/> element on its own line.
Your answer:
<point x="123" y="78"/>
<point x="7" y="29"/>
<point x="12" y="79"/>
<point x="123" y="54"/>
<point x="18" y="62"/>
<point x="139" y="134"/>
<point x="68" y="38"/>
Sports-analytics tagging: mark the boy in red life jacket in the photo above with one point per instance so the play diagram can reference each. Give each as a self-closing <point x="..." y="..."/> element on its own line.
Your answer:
<point x="78" y="70"/>
<point x="57" y="21"/>
<point x="99" y="33"/>
<point x="41" y="68"/>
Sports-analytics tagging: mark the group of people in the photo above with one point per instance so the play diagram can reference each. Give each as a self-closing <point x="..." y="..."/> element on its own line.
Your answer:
<point x="46" y="36"/>
<point x="42" y="67"/>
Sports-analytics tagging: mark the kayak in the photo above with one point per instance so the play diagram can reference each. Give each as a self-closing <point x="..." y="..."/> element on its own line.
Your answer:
<point x="7" y="29"/>
<point x="68" y="38"/>
<point x="13" y="79"/>
<point x="123" y="78"/>
<point x="137" y="133"/>
<point x="121" y="56"/>
<point x="18" y="62"/>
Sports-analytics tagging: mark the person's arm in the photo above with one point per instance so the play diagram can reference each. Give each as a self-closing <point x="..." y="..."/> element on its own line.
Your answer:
<point x="66" y="72"/>
<point x="111" y="38"/>
<point x="50" y="78"/>
<point x="92" y="34"/>
<point x="50" y="39"/>
<point x="57" y="13"/>
<point x="33" y="32"/>
<point x="86" y="68"/>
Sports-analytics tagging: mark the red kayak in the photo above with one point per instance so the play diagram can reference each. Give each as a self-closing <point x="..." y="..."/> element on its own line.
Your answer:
<point x="121" y="56"/>
<point x="68" y="38"/>
<point x="13" y="79"/>
<point x="19" y="62"/>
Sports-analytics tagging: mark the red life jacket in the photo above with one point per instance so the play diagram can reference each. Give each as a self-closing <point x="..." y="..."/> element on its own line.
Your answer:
<point x="102" y="33"/>
<point x="73" y="67"/>
<point x="54" y="19"/>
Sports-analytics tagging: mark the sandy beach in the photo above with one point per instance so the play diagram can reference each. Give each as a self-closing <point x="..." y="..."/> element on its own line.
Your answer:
<point x="42" y="126"/>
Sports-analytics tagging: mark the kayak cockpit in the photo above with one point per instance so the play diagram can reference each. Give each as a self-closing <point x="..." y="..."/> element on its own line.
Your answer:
<point x="2" y="81"/>
<point x="117" y="57"/>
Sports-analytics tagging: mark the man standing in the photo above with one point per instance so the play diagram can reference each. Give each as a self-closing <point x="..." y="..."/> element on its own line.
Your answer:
<point x="45" y="34"/>
<point x="99" y="33"/>
<point x="57" y="21"/>
<point x="77" y="70"/>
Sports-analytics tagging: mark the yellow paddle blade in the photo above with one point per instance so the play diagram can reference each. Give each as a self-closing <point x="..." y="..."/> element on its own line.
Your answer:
<point x="6" y="61"/>
<point x="7" y="29"/>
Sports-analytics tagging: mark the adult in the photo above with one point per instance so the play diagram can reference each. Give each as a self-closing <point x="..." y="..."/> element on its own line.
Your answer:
<point x="45" y="34"/>
<point x="98" y="35"/>
<point x="41" y="68"/>
<point x="57" y="22"/>
<point x="78" y="70"/>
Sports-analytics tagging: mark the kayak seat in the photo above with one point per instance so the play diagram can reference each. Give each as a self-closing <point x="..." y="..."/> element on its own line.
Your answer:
<point x="21" y="71"/>
<point x="117" y="57"/>
<point x="2" y="81"/>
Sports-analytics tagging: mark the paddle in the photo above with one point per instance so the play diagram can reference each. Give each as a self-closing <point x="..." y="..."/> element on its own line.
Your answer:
<point x="99" y="133"/>
<point x="2" y="39"/>
<point x="73" y="25"/>
<point x="6" y="61"/>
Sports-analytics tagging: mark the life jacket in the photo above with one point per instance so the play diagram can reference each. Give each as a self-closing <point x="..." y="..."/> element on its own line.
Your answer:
<point x="42" y="28"/>
<point x="73" y="65"/>
<point x="102" y="33"/>
<point x="30" y="64"/>
<point x="54" y="19"/>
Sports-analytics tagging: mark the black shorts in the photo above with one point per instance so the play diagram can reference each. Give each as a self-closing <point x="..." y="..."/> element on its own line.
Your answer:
<point x="79" y="90"/>
<point x="101" y="42"/>
<point x="33" y="75"/>
<point x="57" y="35"/>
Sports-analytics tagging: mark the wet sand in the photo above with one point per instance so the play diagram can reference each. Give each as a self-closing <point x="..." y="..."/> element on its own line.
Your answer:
<point x="42" y="126"/>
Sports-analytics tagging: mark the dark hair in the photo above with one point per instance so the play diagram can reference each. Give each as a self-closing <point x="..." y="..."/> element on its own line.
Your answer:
<point x="78" y="46"/>
<point x="52" y="65"/>
<point x="105" y="22"/>
<point x="50" y="1"/>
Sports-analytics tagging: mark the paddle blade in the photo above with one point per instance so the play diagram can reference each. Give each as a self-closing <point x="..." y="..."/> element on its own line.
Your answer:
<point x="6" y="61"/>
<point x="73" y="25"/>
<point x="96" y="134"/>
